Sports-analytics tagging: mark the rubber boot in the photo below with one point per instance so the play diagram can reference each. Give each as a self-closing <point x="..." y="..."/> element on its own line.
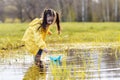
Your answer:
<point x="38" y="62"/>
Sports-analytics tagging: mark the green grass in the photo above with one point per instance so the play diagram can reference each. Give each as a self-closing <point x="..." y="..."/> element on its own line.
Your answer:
<point x="72" y="32"/>
<point x="87" y="32"/>
<point x="11" y="34"/>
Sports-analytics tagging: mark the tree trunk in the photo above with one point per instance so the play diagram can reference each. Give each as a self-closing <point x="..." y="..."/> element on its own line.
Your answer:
<point x="107" y="10"/>
<point x="83" y="10"/>
<point x="116" y="10"/>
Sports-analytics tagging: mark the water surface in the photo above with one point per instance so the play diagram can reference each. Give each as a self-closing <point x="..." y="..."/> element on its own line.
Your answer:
<point x="92" y="64"/>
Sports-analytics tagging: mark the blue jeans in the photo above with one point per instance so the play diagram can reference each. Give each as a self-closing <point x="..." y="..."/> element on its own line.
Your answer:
<point x="40" y="52"/>
<point x="38" y="56"/>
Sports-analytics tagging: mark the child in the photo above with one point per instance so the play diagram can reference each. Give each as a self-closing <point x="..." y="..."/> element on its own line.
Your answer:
<point x="35" y="35"/>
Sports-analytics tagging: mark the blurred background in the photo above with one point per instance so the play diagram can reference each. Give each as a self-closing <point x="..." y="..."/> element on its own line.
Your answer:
<point x="70" y="10"/>
<point x="89" y="40"/>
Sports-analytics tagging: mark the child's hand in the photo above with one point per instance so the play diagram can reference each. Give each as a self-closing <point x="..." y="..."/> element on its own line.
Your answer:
<point x="58" y="32"/>
<point x="45" y="50"/>
<point x="50" y="33"/>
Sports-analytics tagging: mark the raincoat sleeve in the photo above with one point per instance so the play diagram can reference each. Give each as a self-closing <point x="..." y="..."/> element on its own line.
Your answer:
<point x="38" y="40"/>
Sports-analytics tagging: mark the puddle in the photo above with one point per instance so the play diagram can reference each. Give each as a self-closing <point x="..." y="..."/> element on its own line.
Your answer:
<point x="90" y="64"/>
<point x="15" y="68"/>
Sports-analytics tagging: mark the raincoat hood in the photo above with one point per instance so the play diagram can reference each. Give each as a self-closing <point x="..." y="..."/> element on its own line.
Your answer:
<point x="35" y="21"/>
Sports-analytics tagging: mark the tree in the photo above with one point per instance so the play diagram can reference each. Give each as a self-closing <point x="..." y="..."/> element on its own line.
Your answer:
<point x="116" y="10"/>
<point x="70" y="10"/>
<point x="2" y="5"/>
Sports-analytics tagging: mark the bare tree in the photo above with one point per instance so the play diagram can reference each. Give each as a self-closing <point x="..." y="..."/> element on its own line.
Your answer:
<point x="20" y="10"/>
<point x="2" y="5"/>
<point x="70" y="10"/>
<point x="83" y="10"/>
<point x="116" y="10"/>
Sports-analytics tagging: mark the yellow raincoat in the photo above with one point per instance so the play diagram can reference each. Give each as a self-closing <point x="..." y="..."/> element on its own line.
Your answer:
<point x="35" y="39"/>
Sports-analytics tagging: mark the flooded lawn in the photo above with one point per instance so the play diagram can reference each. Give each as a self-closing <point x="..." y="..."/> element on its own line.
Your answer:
<point x="77" y="64"/>
<point x="14" y="68"/>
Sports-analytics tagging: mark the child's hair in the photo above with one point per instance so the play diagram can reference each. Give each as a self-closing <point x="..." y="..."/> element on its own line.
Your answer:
<point x="53" y="13"/>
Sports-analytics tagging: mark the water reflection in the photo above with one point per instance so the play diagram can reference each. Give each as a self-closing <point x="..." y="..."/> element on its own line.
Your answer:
<point x="35" y="73"/>
<point x="102" y="64"/>
<point x="111" y="64"/>
<point x="89" y="64"/>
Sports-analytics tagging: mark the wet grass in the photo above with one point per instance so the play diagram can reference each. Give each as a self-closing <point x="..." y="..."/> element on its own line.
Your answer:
<point x="11" y="34"/>
<point x="82" y="33"/>
<point x="79" y="65"/>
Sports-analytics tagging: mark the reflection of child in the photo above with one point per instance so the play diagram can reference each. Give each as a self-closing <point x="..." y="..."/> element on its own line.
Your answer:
<point x="35" y="35"/>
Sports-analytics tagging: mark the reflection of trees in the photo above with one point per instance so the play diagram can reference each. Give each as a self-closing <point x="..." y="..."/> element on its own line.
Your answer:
<point x="34" y="73"/>
<point x="81" y="57"/>
<point x="111" y="63"/>
<point x="82" y="61"/>
<point x="111" y="60"/>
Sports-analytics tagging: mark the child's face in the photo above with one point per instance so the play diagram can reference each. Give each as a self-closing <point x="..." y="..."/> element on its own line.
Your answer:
<point x="50" y="19"/>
